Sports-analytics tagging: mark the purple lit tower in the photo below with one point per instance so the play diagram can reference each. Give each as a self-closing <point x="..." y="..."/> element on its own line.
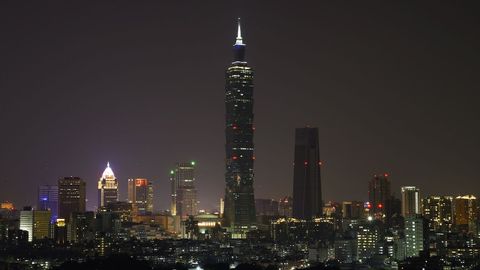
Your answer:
<point x="48" y="200"/>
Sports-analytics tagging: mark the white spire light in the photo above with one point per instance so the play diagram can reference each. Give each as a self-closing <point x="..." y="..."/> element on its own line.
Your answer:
<point x="108" y="173"/>
<point x="239" y="35"/>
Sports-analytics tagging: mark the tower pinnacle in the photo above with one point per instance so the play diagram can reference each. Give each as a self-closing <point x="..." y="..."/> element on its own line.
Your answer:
<point x="239" y="40"/>
<point x="108" y="172"/>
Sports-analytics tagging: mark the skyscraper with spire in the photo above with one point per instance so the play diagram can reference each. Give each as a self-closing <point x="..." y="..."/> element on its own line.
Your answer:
<point x="239" y="213"/>
<point x="107" y="187"/>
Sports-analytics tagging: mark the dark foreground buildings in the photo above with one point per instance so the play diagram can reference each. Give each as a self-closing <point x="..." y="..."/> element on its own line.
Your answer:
<point x="239" y="198"/>
<point x="307" y="188"/>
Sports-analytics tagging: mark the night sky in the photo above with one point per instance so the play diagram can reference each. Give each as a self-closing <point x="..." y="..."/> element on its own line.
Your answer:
<point x="392" y="88"/>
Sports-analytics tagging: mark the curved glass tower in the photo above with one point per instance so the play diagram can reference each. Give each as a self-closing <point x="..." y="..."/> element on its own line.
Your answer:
<point x="239" y="200"/>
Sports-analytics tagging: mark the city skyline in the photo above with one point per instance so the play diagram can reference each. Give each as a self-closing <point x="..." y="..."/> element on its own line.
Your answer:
<point x="359" y="130"/>
<point x="344" y="136"/>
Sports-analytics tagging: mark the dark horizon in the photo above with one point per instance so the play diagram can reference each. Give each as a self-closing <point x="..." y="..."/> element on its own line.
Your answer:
<point x="391" y="87"/>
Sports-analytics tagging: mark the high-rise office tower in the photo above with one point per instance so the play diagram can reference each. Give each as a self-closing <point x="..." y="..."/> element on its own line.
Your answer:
<point x="71" y="196"/>
<point x="414" y="236"/>
<point x="410" y="201"/>
<point x="183" y="193"/>
<point x="41" y="224"/>
<point x="378" y="192"/>
<point x="107" y="187"/>
<point x="239" y="197"/>
<point x="60" y="231"/>
<point x="222" y="207"/>
<point x="131" y="190"/>
<point x="438" y="211"/>
<point x="307" y="188"/>
<point x="367" y="241"/>
<point x="36" y="223"/>
<point x="48" y="200"/>
<point x="465" y="212"/>
<point x="26" y="222"/>
<point x="81" y="227"/>
<point x="352" y="209"/>
<point x="140" y="195"/>
<point x="266" y="207"/>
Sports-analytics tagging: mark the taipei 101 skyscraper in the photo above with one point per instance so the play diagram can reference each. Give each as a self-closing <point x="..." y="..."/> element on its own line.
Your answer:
<point x="239" y="214"/>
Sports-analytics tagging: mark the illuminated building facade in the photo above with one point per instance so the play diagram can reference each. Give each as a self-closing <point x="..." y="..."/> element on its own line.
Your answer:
<point x="36" y="223"/>
<point x="41" y="224"/>
<point x="26" y="222"/>
<point x="379" y="190"/>
<point x="48" y="200"/>
<point x="184" y="201"/>
<point x="140" y="195"/>
<point x="413" y="236"/>
<point x="60" y="231"/>
<point x="107" y="188"/>
<point x="7" y="206"/>
<point x="207" y="223"/>
<point x="465" y="212"/>
<point x="239" y="195"/>
<point x="438" y="211"/>
<point x="71" y="196"/>
<point x="307" y="188"/>
<point x="367" y="239"/>
<point x="410" y="201"/>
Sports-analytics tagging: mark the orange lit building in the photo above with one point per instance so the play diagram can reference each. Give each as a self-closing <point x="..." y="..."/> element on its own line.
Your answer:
<point x="7" y="205"/>
<point x="140" y="195"/>
<point x="465" y="213"/>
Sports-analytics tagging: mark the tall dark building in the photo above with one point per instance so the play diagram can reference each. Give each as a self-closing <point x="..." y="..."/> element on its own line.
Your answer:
<point x="379" y="191"/>
<point x="307" y="188"/>
<point x="71" y="196"/>
<point x="239" y="198"/>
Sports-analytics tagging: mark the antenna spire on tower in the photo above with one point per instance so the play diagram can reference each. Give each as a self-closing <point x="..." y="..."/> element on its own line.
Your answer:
<point x="239" y="34"/>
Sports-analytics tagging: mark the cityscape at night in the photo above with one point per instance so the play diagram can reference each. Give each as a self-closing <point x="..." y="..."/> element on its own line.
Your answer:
<point x="266" y="135"/>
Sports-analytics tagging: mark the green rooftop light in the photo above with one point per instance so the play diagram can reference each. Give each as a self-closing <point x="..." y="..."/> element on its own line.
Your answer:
<point x="193" y="163"/>
<point x="171" y="172"/>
